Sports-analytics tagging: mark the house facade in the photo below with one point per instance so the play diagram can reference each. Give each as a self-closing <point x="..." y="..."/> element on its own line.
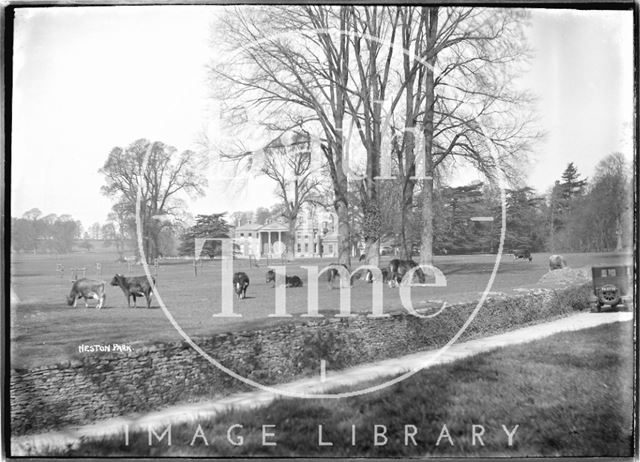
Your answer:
<point x="316" y="237"/>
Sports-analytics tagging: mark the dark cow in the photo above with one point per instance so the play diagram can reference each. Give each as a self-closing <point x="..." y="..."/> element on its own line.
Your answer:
<point x="522" y="254"/>
<point x="385" y="275"/>
<point x="333" y="273"/>
<point x="271" y="277"/>
<point x="240" y="284"/>
<point x="398" y="268"/>
<point x="87" y="288"/>
<point x="557" y="262"/>
<point x="289" y="281"/>
<point x="136" y="286"/>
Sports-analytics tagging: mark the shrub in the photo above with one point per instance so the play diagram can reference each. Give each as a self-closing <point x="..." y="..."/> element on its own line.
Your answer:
<point x="575" y="297"/>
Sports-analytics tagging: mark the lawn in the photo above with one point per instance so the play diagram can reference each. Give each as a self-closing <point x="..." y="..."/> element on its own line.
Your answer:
<point x="570" y="394"/>
<point x="44" y="330"/>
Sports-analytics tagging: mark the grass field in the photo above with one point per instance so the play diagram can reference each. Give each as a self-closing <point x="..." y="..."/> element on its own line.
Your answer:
<point x="570" y="395"/>
<point x="45" y="330"/>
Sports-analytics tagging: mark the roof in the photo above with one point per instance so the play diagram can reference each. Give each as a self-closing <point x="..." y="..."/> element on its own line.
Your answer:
<point x="274" y="226"/>
<point x="248" y="227"/>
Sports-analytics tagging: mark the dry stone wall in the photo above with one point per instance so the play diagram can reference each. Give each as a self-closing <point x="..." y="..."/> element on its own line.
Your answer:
<point x="111" y="384"/>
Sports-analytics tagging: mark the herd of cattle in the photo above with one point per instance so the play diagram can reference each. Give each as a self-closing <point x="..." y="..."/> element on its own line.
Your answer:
<point x="393" y="275"/>
<point x="139" y="286"/>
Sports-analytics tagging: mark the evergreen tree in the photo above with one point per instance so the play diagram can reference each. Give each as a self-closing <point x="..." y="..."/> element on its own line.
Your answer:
<point x="563" y="198"/>
<point x="213" y="225"/>
<point x="572" y="185"/>
<point x="525" y="219"/>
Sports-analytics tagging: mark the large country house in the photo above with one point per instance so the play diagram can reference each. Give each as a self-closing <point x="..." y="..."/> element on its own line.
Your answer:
<point x="316" y="236"/>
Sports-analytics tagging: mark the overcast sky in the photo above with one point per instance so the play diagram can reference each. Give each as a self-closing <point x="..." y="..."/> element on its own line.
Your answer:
<point x="89" y="79"/>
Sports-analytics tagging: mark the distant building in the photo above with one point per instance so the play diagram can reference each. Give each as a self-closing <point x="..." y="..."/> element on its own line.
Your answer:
<point x="255" y="240"/>
<point x="316" y="236"/>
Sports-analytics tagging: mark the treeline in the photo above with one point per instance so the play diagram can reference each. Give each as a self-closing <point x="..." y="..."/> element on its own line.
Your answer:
<point x="593" y="215"/>
<point x="576" y="215"/>
<point x="51" y="233"/>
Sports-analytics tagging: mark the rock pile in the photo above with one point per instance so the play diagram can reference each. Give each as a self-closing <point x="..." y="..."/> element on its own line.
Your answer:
<point x="566" y="276"/>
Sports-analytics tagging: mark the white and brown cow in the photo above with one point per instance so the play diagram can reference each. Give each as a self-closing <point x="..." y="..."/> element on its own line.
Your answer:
<point x="87" y="288"/>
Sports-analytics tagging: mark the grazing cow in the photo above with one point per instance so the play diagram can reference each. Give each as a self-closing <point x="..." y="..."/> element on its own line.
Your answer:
<point x="522" y="254"/>
<point x="385" y="275"/>
<point x="334" y="273"/>
<point x="240" y="284"/>
<point x="87" y="288"/>
<point x="289" y="281"/>
<point x="136" y="286"/>
<point x="556" y="262"/>
<point x="293" y="281"/>
<point x="398" y="268"/>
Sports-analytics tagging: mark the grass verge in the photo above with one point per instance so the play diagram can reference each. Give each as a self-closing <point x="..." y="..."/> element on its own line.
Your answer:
<point x="570" y="395"/>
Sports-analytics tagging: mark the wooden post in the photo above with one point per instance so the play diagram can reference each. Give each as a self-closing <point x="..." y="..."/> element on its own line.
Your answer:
<point x="155" y="266"/>
<point x="99" y="270"/>
<point x="75" y="272"/>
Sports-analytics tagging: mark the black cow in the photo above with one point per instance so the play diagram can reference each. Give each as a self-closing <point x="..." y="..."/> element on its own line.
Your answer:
<point x="398" y="268"/>
<point x="289" y="281"/>
<point x="333" y="273"/>
<point x="136" y="286"/>
<point x="385" y="275"/>
<point x="240" y="284"/>
<point x="522" y="254"/>
<point x="87" y="288"/>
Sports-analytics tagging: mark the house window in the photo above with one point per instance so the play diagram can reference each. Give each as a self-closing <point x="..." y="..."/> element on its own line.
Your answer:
<point x="250" y="234"/>
<point x="306" y="247"/>
<point x="241" y="234"/>
<point x="299" y="248"/>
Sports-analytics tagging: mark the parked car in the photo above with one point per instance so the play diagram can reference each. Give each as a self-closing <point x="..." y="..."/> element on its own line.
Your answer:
<point x="612" y="286"/>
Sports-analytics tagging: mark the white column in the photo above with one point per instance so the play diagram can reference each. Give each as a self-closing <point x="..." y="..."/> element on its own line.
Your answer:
<point x="269" y="242"/>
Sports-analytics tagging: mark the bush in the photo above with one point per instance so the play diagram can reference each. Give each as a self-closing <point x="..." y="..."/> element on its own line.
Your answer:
<point x="575" y="297"/>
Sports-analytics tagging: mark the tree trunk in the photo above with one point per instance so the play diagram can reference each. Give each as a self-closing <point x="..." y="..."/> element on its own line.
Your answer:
<point x="426" y="250"/>
<point x="407" y="164"/>
<point x="333" y="153"/>
<point x="405" y="208"/>
<point x="291" y="241"/>
<point x="344" y="241"/>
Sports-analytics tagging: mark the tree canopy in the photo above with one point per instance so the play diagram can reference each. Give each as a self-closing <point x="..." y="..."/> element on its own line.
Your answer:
<point x="163" y="176"/>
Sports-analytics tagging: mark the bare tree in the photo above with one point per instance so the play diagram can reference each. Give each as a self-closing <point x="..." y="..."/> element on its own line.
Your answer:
<point x="271" y="72"/>
<point x="288" y="163"/>
<point x="167" y="175"/>
<point x="456" y="67"/>
<point x="472" y="56"/>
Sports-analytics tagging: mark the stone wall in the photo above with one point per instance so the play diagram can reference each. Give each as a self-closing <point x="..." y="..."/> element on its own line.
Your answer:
<point x="103" y="385"/>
